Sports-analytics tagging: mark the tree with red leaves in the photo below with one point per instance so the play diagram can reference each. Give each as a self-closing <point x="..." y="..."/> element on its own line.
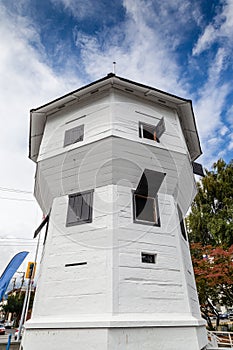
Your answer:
<point x="213" y="268"/>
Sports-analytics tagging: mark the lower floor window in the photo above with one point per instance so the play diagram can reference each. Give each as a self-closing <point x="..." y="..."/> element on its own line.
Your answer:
<point x="145" y="209"/>
<point x="148" y="258"/>
<point x="182" y="226"/>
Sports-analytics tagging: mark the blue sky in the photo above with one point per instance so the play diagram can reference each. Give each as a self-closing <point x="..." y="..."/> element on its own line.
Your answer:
<point x="50" y="47"/>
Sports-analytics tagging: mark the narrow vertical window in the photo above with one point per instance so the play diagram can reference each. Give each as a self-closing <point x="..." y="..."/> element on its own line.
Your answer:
<point x="182" y="226"/>
<point x="74" y="135"/>
<point x="80" y="208"/>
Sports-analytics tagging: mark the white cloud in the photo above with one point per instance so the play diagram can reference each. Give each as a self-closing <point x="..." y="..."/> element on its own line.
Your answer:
<point x="230" y="114"/>
<point x="209" y="106"/>
<point x="206" y="40"/>
<point x="221" y="28"/>
<point x="211" y="100"/>
<point x="230" y="146"/>
<point x="137" y="48"/>
<point x="223" y="130"/>
<point x="26" y="82"/>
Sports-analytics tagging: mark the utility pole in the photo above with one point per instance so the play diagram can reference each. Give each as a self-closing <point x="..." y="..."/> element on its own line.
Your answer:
<point x="24" y="306"/>
<point x="28" y="292"/>
<point x="14" y="282"/>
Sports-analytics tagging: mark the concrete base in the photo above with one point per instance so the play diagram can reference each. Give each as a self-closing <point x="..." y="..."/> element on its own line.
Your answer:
<point x="116" y="338"/>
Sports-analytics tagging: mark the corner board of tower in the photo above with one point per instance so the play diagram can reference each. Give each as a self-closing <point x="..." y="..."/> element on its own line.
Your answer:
<point x="115" y="177"/>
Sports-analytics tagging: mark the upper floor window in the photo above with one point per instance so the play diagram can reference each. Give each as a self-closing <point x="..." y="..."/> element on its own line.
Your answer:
<point x="74" y="135"/>
<point x="80" y="208"/>
<point x="152" y="132"/>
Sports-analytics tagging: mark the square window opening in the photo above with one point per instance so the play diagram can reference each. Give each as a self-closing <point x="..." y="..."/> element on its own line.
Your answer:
<point x="80" y="208"/>
<point x="148" y="258"/>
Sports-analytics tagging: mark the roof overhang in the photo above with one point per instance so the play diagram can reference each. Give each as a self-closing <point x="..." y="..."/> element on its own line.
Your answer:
<point x="182" y="106"/>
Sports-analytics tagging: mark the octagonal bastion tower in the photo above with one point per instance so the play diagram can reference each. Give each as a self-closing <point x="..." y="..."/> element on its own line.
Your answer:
<point x="114" y="178"/>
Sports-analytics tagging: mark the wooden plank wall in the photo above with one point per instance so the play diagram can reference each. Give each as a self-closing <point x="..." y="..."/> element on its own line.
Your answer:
<point x="112" y="245"/>
<point x="109" y="161"/>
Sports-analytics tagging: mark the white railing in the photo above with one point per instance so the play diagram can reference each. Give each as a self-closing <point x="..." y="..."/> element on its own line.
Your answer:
<point x="219" y="339"/>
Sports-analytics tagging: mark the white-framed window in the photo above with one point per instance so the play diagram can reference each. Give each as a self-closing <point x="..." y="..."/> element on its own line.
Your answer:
<point x="152" y="132"/>
<point x="145" y="209"/>
<point x="80" y="208"/>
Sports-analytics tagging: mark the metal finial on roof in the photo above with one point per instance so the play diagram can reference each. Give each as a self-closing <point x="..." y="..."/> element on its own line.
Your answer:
<point x="114" y="67"/>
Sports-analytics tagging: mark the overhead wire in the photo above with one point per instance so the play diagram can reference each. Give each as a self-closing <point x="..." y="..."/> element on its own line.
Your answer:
<point x="18" y="191"/>
<point x="16" y="241"/>
<point x="10" y="189"/>
<point x="18" y="199"/>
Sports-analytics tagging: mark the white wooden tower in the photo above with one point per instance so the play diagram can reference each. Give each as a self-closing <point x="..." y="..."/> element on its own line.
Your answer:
<point x="115" y="174"/>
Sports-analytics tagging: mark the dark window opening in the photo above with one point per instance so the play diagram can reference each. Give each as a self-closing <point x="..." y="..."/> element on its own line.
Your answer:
<point x="79" y="208"/>
<point x="198" y="169"/>
<point x="148" y="258"/>
<point x="74" y="135"/>
<point x="152" y="132"/>
<point x="145" y="198"/>
<point x="182" y="226"/>
<point x="76" y="264"/>
<point x="145" y="209"/>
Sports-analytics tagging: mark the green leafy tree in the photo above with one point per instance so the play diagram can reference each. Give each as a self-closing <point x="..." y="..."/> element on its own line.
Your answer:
<point x="14" y="305"/>
<point x="211" y="217"/>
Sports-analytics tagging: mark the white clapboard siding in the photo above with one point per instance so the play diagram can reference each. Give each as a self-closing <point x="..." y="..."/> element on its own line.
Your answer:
<point x="150" y="285"/>
<point x="75" y="289"/>
<point x="105" y="243"/>
<point x="114" y="114"/>
<point x="109" y="161"/>
<point x="128" y="112"/>
<point x="190" y="280"/>
<point x="95" y="117"/>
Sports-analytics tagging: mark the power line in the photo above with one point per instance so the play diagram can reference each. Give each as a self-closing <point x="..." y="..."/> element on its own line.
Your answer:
<point x="9" y="189"/>
<point x="18" y="199"/>
<point x="19" y="245"/>
<point x="16" y="238"/>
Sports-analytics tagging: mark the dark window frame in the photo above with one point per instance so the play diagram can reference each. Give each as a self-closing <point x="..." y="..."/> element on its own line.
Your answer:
<point x="88" y="207"/>
<point x="146" y="255"/>
<point x="156" y="208"/>
<point x="182" y="225"/>
<point x="70" y="137"/>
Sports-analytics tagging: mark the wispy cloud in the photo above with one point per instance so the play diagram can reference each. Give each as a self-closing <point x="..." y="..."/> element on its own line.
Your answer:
<point x="137" y="46"/>
<point x="26" y="82"/>
<point x="209" y="106"/>
<point x="219" y="30"/>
